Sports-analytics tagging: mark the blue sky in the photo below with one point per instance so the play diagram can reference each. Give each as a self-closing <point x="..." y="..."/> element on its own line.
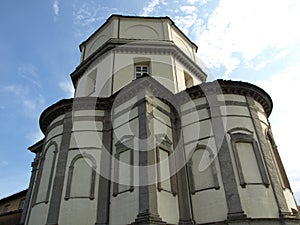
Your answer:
<point x="250" y="40"/>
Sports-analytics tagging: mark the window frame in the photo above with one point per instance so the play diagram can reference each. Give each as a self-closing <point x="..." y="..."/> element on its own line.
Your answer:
<point x="70" y="177"/>
<point x="212" y="167"/>
<point x="240" y="136"/>
<point x="123" y="145"/>
<point x="164" y="143"/>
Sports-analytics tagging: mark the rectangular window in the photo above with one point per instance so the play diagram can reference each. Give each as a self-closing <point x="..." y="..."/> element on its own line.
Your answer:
<point x="141" y="70"/>
<point x="91" y="82"/>
<point x="250" y="166"/>
<point x="123" y="169"/>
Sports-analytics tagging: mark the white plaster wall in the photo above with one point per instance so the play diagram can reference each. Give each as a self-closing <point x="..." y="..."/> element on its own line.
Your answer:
<point x="258" y="201"/>
<point x="180" y="69"/>
<point x="141" y="29"/>
<point x="193" y="103"/>
<point x="88" y="113"/>
<point x="78" y="211"/>
<point x="197" y="130"/>
<point x="38" y="214"/>
<point x="209" y="205"/>
<point x="194" y="116"/>
<point x="124" y="207"/>
<point x="54" y="132"/>
<point x="128" y="104"/>
<point x="168" y="207"/>
<point x="45" y="178"/>
<point x="161" y="69"/>
<point x="181" y="42"/>
<point x="104" y="68"/>
<point x="82" y="139"/>
<point x="59" y="118"/>
<point x="99" y="39"/>
<point x="70" y="209"/>
<point x="290" y="199"/>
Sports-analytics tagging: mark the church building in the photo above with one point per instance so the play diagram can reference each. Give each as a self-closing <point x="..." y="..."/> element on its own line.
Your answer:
<point x="146" y="140"/>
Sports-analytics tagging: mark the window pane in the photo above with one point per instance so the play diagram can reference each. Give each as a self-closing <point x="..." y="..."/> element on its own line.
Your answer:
<point x="201" y="168"/>
<point x="248" y="161"/>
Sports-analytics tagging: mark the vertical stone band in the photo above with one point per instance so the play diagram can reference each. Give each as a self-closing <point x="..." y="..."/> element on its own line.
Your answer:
<point x="59" y="178"/>
<point x="102" y="217"/>
<point x="233" y="201"/>
<point x="266" y="151"/>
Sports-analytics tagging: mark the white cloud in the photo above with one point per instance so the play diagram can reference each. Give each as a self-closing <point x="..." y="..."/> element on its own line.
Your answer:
<point x="56" y="7"/>
<point x="150" y="7"/>
<point x="201" y="2"/>
<point x="283" y="88"/>
<point x="67" y="87"/>
<point x="249" y="28"/>
<point x="32" y="103"/>
<point x="88" y="16"/>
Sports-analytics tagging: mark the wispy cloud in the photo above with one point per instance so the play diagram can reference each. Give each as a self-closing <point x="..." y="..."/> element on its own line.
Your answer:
<point x="87" y="17"/>
<point x="30" y="73"/>
<point x="32" y="103"/>
<point x="67" y="87"/>
<point x="56" y="7"/>
<point x="147" y="10"/>
<point x="284" y="88"/>
<point x="243" y="27"/>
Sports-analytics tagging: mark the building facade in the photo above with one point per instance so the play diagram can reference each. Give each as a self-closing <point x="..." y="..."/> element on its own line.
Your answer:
<point x="11" y="208"/>
<point x="146" y="140"/>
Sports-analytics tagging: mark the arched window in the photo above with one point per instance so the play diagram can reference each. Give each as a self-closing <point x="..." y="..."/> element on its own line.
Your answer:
<point x="202" y="170"/>
<point x="249" y="162"/>
<point x="46" y="173"/>
<point x="81" y="177"/>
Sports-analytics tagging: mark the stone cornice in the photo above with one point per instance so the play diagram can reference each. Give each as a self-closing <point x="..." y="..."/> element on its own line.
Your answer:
<point x="73" y="104"/>
<point x="131" y="46"/>
<point x="229" y="87"/>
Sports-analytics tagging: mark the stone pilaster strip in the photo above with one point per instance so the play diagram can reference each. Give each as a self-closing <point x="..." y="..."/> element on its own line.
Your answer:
<point x="56" y="197"/>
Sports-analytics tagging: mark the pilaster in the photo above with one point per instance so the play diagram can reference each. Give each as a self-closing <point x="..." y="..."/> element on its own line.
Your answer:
<point x="56" y="197"/>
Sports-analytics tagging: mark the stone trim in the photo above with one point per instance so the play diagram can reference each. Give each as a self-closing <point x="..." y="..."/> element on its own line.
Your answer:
<point x="184" y="198"/>
<point x="70" y="176"/>
<point x="246" y="138"/>
<point x="104" y="186"/>
<point x="212" y="166"/>
<point x="266" y="151"/>
<point x="164" y="143"/>
<point x="29" y="196"/>
<point x="284" y="179"/>
<point x="121" y="147"/>
<point x="40" y="173"/>
<point x="227" y="87"/>
<point x="234" y="205"/>
<point x="56" y="197"/>
<point x="138" y="47"/>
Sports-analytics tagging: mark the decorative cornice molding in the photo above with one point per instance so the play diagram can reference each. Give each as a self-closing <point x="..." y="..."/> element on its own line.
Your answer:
<point x="129" y="46"/>
<point x="72" y="104"/>
<point x="228" y="87"/>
